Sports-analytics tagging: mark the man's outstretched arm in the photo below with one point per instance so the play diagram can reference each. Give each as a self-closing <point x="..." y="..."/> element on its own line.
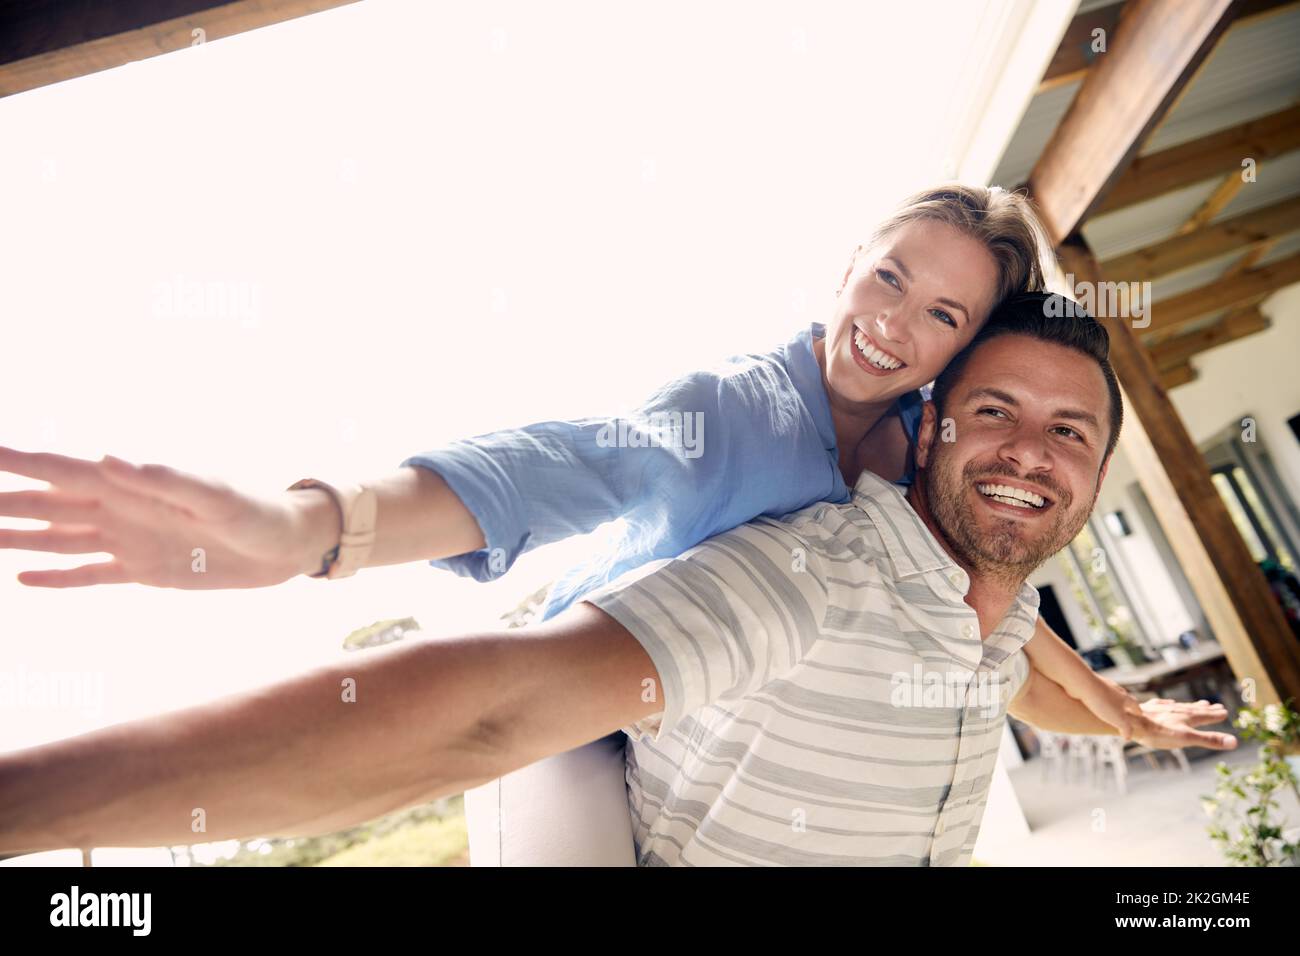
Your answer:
<point x="430" y="718"/>
<point x="1162" y="723"/>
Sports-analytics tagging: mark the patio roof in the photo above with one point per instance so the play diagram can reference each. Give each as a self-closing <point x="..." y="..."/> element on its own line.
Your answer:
<point x="1252" y="74"/>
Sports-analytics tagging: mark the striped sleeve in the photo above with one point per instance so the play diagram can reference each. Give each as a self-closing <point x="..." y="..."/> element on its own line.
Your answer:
<point x="723" y="619"/>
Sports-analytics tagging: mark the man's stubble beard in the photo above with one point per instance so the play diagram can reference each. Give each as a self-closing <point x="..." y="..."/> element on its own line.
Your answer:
<point x="1002" y="552"/>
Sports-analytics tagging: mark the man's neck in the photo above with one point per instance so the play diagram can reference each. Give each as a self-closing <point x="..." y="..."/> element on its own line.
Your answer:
<point x="990" y="595"/>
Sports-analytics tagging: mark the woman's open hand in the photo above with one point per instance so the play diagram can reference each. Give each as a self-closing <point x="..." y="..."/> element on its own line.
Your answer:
<point x="163" y="527"/>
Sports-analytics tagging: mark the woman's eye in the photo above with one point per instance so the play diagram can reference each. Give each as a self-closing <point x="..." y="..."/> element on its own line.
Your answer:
<point x="889" y="277"/>
<point x="943" y="316"/>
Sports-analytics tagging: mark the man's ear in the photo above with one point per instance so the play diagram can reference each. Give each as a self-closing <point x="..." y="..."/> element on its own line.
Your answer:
<point x="1101" y="476"/>
<point x="925" y="434"/>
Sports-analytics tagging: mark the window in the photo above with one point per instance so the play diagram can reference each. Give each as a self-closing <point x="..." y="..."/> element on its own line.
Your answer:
<point x="1095" y="582"/>
<point x="1251" y="517"/>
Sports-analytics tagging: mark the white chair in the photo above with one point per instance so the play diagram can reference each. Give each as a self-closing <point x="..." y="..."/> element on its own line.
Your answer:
<point x="1114" y="752"/>
<point x="1110" y="753"/>
<point x="1051" y="751"/>
<point x="1082" y="753"/>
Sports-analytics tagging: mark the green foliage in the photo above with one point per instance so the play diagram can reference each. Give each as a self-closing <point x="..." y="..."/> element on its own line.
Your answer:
<point x="1243" y="803"/>
<point x="427" y="843"/>
<point x="381" y="632"/>
<point x="432" y="834"/>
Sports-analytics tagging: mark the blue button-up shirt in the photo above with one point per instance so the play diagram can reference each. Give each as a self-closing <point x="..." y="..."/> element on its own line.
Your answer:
<point x="707" y="452"/>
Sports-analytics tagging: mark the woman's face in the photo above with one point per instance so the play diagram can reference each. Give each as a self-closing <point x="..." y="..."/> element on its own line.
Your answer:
<point x="908" y="305"/>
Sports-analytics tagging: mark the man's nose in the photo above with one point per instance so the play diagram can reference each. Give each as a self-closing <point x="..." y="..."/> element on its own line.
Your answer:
<point x="1027" y="449"/>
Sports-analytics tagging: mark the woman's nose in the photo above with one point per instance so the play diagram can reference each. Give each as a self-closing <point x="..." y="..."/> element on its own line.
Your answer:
<point x="892" y="326"/>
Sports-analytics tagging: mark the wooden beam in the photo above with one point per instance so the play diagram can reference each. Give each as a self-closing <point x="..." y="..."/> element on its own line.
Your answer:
<point x="1156" y="48"/>
<point x="1231" y="589"/>
<point x="1175" y="352"/>
<point x="1248" y="288"/>
<point x="1248" y="10"/>
<point x="1178" y="375"/>
<point x="47" y="41"/>
<point x="1245" y="232"/>
<point x="1217" y="154"/>
<point x="1223" y="194"/>
<point x="1250" y="259"/>
<point x="1075" y="53"/>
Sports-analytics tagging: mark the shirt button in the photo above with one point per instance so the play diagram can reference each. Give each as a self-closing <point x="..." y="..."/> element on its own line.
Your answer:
<point x="968" y="631"/>
<point x="958" y="580"/>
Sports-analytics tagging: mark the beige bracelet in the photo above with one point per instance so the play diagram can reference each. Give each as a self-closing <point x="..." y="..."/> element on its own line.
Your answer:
<point x="358" y="509"/>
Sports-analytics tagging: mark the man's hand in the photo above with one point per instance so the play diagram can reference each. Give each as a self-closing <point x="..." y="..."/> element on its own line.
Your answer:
<point x="151" y="518"/>
<point x="1160" y="723"/>
<point x="1168" y="724"/>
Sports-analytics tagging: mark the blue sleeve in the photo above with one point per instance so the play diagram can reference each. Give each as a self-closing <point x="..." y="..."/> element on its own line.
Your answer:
<point x="909" y="410"/>
<point x="670" y="466"/>
<point x="526" y="487"/>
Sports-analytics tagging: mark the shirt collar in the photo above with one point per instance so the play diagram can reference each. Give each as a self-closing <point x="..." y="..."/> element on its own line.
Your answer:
<point x="911" y="546"/>
<point x="806" y="374"/>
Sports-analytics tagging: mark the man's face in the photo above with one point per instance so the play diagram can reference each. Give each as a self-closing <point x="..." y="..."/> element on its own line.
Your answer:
<point x="1031" y="420"/>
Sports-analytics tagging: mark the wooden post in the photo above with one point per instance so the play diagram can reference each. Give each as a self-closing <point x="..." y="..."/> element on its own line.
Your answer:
<point x="1232" y="590"/>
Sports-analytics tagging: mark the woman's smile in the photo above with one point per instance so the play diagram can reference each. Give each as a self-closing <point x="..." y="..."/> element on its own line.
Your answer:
<point x="870" y="357"/>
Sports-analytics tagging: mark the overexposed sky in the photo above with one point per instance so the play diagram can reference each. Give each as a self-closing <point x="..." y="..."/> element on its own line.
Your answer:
<point x="463" y="218"/>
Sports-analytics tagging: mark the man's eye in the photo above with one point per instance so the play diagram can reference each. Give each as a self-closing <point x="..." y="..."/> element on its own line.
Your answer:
<point x="1069" y="431"/>
<point x="991" y="411"/>
<point x="889" y="277"/>
<point x="943" y="316"/>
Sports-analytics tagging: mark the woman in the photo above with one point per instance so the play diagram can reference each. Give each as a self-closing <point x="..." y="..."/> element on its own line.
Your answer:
<point x="776" y="432"/>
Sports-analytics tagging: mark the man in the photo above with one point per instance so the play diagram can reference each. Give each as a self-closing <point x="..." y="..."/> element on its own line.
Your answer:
<point x="829" y="688"/>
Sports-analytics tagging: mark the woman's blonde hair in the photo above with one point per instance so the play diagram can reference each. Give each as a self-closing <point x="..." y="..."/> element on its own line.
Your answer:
<point x="1003" y="222"/>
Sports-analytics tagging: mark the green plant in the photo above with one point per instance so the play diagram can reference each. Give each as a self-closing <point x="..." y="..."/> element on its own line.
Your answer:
<point x="1244" y="800"/>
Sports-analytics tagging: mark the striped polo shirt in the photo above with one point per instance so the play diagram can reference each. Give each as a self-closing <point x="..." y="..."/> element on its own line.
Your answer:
<point x="828" y="700"/>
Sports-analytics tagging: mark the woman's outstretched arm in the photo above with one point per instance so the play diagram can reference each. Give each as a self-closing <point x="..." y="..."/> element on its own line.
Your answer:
<point x="167" y="528"/>
<point x="705" y="453"/>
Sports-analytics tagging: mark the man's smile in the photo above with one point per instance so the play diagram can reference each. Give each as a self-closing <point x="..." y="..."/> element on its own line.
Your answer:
<point x="1009" y="497"/>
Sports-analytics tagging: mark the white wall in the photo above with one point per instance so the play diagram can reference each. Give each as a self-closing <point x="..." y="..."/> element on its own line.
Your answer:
<point x="1254" y="376"/>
